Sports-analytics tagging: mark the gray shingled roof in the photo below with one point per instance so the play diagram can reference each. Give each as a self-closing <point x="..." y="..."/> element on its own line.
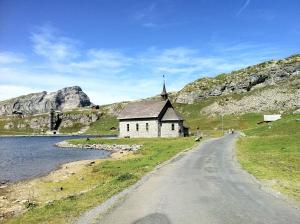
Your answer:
<point x="172" y="115"/>
<point x="142" y="109"/>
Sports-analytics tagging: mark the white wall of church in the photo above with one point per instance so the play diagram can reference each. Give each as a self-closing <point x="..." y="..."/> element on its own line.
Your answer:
<point x="142" y="132"/>
<point x="166" y="129"/>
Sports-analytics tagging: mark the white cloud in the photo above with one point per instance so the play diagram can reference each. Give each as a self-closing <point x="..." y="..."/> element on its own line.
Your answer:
<point x="100" y="58"/>
<point x="188" y="62"/>
<point x="110" y="75"/>
<point x="245" y="5"/>
<point x="11" y="58"/>
<point x="48" y="43"/>
<point x="9" y="91"/>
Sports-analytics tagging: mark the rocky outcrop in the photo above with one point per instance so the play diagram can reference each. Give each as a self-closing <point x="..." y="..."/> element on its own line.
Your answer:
<point x="279" y="98"/>
<point x="85" y="119"/>
<point x="40" y="123"/>
<point x="241" y="81"/>
<point x="65" y="99"/>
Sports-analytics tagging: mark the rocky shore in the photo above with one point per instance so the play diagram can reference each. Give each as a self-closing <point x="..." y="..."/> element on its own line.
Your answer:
<point x="111" y="148"/>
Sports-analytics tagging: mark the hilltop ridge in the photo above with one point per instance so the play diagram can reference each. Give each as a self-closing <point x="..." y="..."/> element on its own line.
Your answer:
<point x="241" y="81"/>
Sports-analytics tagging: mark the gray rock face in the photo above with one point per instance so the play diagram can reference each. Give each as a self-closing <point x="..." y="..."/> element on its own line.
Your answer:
<point x="279" y="98"/>
<point x="40" y="123"/>
<point x="241" y="81"/>
<point x="64" y="99"/>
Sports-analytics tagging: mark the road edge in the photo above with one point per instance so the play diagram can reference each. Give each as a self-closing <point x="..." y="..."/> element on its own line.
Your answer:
<point x="269" y="190"/>
<point x="95" y="213"/>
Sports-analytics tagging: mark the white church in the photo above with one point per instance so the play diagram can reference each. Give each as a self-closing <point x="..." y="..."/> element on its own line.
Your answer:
<point x="151" y="118"/>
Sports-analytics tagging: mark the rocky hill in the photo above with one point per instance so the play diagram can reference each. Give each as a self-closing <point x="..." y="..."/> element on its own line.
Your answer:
<point x="269" y="86"/>
<point x="64" y="99"/>
<point x="241" y="81"/>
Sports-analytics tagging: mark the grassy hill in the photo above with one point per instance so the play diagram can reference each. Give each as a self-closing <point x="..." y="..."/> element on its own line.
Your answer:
<point x="271" y="152"/>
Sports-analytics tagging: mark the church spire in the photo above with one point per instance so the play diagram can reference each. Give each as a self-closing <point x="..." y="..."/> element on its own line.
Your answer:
<point x="164" y="94"/>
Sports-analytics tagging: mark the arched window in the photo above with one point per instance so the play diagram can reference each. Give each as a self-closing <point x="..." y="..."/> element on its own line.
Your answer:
<point x="173" y="127"/>
<point x="137" y="126"/>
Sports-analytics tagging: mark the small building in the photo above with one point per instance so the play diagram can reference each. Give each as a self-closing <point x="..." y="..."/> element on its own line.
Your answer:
<point x="151" y="118"/>
<point x="272" y="117"/>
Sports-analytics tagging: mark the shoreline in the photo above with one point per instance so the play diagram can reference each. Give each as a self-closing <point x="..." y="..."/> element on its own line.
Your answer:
<point x="64" y="144"/>
<point x="62" y="135"/>
<point x="106" y="147"/>
<point x="59" y="200"/>
<point x="15" y="197"/>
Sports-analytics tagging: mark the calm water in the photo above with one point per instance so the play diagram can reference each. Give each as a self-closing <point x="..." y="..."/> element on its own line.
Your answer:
<point x="26" y="157"/>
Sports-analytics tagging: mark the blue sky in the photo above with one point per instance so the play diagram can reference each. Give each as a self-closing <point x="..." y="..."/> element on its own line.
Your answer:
<point x="119" y="50"/>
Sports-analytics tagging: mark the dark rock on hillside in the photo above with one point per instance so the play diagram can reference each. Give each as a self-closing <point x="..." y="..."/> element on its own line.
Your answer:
<point x="280" y="97"/>
<point x="64" y="99"/>
<point x="242" y="81"/>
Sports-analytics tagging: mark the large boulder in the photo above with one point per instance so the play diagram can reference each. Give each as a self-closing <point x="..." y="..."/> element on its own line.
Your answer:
<point x="64" y="99"/>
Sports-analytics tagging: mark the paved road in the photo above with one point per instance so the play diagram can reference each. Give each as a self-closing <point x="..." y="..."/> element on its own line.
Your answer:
<point x="206" y="186"/>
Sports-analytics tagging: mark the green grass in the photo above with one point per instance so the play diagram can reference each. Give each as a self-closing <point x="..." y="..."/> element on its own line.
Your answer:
<point x="103" y="125"/>
<point x="289" y="125"/>
<point x="76" y="127"/>
<point x="113" y="176"/>
<point x="271" y="152"/>
<point x="194" y="119"/>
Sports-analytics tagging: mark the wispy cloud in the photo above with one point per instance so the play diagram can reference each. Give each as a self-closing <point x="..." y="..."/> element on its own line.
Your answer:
<point x="245" y="5"/>
<point x="110" y="75"/>
<point x="48" y="43"/>
<point x="148" y="16"/>
<point x="8" y="91"/>
<point x="100" y="58"/>
<point x="11" y="58"/>
<point x="146" y="12"/>
<point x="188" y="62"/>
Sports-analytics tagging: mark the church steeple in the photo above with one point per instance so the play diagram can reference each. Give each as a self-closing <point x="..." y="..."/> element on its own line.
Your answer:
<point x="164" y="94"/>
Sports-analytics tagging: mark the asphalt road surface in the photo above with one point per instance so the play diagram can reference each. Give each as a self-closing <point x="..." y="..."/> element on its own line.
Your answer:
<point x="205" y="185"/>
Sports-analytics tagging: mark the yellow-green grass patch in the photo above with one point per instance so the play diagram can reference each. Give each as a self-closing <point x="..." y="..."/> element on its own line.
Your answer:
<point x="106" y="179"/>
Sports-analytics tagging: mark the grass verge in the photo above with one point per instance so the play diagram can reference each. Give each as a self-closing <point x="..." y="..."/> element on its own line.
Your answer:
<point x="112" y="177"/>
<point x="271" y="152"/>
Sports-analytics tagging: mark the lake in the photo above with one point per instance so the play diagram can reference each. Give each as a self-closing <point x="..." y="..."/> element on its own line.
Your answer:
<point x="26" y="157"/>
